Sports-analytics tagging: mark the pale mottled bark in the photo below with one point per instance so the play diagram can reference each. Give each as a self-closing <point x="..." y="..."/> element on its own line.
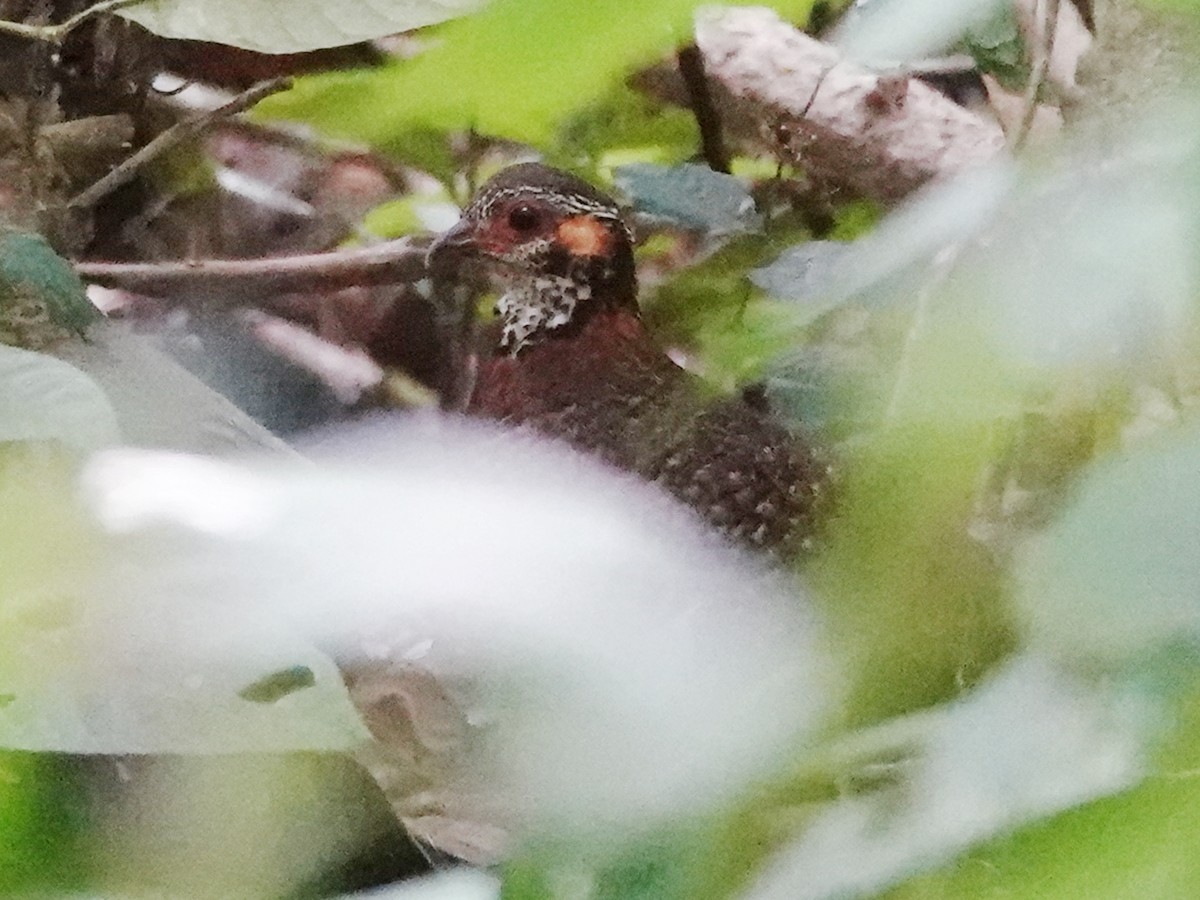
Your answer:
<point x="878" y="135"/>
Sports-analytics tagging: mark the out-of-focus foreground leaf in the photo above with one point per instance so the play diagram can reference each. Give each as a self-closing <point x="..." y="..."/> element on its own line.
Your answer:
<point x="44" y="399"/>
<point x="86" y="669"/>
<point x="513" y="70"/>
<point x="1117" y="579"/>
<point x="291" y="26"/>
<point x="642" y="673"/>
<point x="1031" y="741"/>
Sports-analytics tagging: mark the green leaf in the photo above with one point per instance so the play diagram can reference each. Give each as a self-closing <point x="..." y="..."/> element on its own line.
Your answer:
<point x="917" y="601"/>
<point x="608" y="718"/>
<point x="45" y="399"/>
<point x="812" y="275"/>
<point x="998" y="48"/>
<point x="41" y="297"/>
<point x="624" y="125"/>
<point x="692" y="195"/>
<point x="513" y="70"/>
<point x="40" y="827"/>
<point x="409" y="215"/>
<point x="714" y="309"/>
<point x="903" y="30"/>
<point x="291" y="26"/>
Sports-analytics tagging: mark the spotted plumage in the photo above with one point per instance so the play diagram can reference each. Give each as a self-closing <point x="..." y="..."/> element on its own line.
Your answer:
<point x="573" y="360"/>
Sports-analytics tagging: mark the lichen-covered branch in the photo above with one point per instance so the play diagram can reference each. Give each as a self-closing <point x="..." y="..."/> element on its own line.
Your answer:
<point x="879" y="135"/>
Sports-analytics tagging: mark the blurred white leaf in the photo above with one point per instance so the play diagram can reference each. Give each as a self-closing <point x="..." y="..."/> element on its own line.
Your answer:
<point x="942" y="217"/>
<point x="1032" y="741"/>
<point x="45" y="399"/>
<point x="1090" y="261"/>
<point x="291" y="26"/>
<point x="890" y="32"/>
<point x="883" y="265"/>
<point x="1119" y="574"/>
<point x="84" y="674"/>
<point x="642" y="667"/>
<point x="157" y="402"/>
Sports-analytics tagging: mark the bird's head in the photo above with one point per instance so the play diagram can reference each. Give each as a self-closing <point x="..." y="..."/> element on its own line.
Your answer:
<point x="557" y="248"/>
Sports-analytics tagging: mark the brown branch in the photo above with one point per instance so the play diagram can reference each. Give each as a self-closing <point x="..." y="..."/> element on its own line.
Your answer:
<point x="56" y="34"/>
<point x="173" y="137"/>
<point x="391" y="262"/>
<point x="877" y="136"/>
<point x="712" y="141"/>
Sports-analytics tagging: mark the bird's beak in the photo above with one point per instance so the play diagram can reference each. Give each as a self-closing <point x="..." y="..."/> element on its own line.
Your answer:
<point x="452" y="245"/>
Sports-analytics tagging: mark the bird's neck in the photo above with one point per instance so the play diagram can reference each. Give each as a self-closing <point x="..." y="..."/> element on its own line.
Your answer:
<point x="552" y="306"/>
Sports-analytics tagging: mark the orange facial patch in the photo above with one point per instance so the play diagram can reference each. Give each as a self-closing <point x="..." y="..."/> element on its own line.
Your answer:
<point x="583" y="236"/>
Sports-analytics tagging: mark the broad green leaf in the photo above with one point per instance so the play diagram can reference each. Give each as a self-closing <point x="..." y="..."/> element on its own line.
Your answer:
<point x="1087" y="262"/>
<point x="157" y="402"/>
<point x="917" y="601"/>
<point x="516" y="69"/>
<point x="409" y="215"/>
<point x="1137" y="844"/>
<point x="41" y="826"/>
<point x="45" y="399"/>
<point x="81" y="675"/>
<point x="245" y="825"/>
<point x="291" y="26"/>
<point x="622" y="126"/>
<point x="714" y="310"/>
<point x="999" y="49"/>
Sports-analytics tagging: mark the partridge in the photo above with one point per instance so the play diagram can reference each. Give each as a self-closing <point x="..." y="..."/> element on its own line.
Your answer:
<point x="571" y="358"/>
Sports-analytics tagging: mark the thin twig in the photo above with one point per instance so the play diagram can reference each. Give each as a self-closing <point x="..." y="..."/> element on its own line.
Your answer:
<point x="391" y="262"/>
<point x="1037" y="74"/>
<point x="712" y="140"/>
<point x="56" y="34"/>
<point x="348" y="371"/>
<point x="940" y="269"/>
<point x="173" y="137"/>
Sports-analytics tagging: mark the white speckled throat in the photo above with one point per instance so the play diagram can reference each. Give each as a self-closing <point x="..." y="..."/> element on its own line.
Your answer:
<point x="533" y="308"/>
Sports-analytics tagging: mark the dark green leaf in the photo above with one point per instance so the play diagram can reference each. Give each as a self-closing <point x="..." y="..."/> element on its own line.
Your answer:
<point x="691" y="195"/>
<point x="41" y="297"/>
<point x="279" y="684"/>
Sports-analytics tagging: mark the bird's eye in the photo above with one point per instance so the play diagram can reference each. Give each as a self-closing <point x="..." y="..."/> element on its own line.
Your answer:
<point x="523" y="218"/>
